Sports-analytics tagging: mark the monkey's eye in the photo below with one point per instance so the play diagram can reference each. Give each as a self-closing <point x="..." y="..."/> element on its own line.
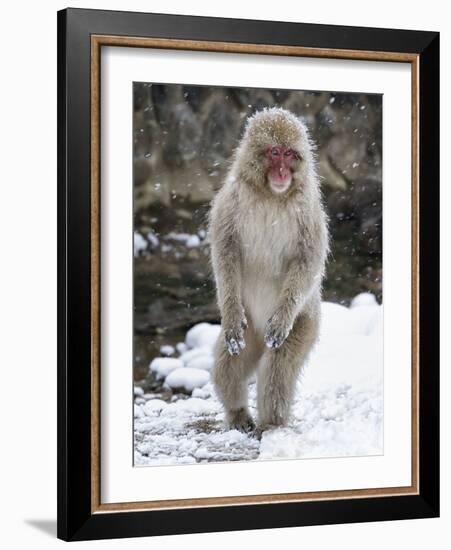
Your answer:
<point x="274" y="151"/>
<point x="288" y="153"/>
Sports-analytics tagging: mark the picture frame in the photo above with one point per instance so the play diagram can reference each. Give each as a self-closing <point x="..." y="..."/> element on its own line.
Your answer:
<point x="81" y="36"/>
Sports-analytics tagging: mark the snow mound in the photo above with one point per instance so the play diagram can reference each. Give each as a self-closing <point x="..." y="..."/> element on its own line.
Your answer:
<point x="364" y="299"/>
<point x="181" y="347"/>
<point x="137" y="411"/>
<point x="335" y="320"/>
<point x="154" y="406"/>
<point x="193" y="241"/>
<point x="203" y="362"/>
<point x="192" y="354"/>
<point x="189" y="407"/>
<point x="139" y="244"/>
<point x="202" y="393"/>
<point x="338" y="320"/>
<point x="187" y="378"/>
<point x="162" y="366"/>
<point x="153" y="239"/>
<point x="190" y="241"/>
<point x="167" y="350"/>
<point x="365" y="319"/>
<point x="198" y="358"/>
<point x="202" y="335"/>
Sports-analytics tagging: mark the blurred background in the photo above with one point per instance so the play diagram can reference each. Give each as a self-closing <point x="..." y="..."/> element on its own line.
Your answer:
<point x="184" y="137"/>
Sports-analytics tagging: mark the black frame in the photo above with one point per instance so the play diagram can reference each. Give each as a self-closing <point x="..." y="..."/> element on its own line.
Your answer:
<point x="75" y="520"/>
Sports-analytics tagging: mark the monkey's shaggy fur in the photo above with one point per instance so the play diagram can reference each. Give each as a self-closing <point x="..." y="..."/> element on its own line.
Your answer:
<point x="268" y="253"/>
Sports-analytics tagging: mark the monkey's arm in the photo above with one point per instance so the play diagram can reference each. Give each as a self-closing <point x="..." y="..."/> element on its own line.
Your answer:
<point x="304" y="275"/>
<point x="226" y="262"/>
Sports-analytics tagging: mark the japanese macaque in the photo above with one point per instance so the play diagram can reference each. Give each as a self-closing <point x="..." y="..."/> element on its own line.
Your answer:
<point x="269" y="242"/>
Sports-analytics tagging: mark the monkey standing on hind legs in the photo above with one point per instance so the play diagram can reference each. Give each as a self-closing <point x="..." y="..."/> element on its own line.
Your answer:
<point x="269" y="243"/>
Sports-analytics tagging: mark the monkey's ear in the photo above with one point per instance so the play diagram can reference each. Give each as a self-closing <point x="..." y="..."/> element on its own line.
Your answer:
<point x="297" y="155"/>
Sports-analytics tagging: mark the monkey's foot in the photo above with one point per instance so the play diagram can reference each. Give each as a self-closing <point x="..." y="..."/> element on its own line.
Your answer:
<point x="241" y="420"/>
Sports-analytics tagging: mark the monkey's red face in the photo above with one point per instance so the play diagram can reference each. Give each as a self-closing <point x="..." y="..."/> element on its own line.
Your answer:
<point x="282" y="161"/>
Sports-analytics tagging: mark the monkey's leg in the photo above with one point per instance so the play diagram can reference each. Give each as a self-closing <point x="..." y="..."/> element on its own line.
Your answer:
<point x="230" y="379"/>
<point x="279" y="370"/>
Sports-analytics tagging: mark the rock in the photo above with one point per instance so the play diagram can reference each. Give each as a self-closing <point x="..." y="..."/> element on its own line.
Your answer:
<point x="204" y="362"/>
<point x="221" y="123"/>
<point x="186" y="379"/>
<point x="138" y="411"/>
<point x="183" y="136"/>
<point x="139" y="244"/>
<point x="192" y="354"/>
<point x="366" y="206"/>
<point x="330" y="176"/>
<point x="181" y="347"/>
<point x="259" y="100"/>
<point x="154" y="406"/>
<point x="347" y="154"/>
<point x="167" y="350"/>
<point x="253" y="99"/>
<point x="195" y="96"/>
<point x="306" y="103"/>
<point x="162" y="366"/>
<point x="202" y="335"/>
<point x="201" y="393"/>
<point x="363" y="299"/>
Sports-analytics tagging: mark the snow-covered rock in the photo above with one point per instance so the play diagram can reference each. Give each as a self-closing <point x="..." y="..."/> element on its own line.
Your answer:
<point x="139" y="244"/>
<point x="190" y="407"/>
<point x="154" y="406"/>
<point x="201" y="393"/>
<point x="190" y="241"/>
<point x="362" y="318"/>
<point x="137" y="411"/>
<point x="187" y="356"/>
<point x="364" y="299"/>
<point x="187" y="378"/>
<point x="181" y="347"/>
<point x="198" y="358"/>
<point x="162" y="366"/>
<point x="202" y="335"/>
<point x="203" y="362"/>
<point x="153" y="240"/>
<point x="365" y="318"/>
<point x="167" y="350"/>
<point x="335" y="320"/>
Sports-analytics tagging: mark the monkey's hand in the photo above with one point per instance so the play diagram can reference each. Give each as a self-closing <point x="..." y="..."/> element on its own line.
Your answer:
<point x="277" y="330"/>
<point x="234" y="335"/>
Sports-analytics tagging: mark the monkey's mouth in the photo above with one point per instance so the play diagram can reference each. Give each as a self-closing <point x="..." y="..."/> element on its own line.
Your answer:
<point x="280" y="183"/>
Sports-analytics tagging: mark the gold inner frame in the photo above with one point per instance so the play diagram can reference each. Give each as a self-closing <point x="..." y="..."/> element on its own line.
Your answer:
<point x="97" y="41"/>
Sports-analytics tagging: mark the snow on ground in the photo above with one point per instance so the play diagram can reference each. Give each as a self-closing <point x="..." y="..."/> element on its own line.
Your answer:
<point x="338" y="408"/>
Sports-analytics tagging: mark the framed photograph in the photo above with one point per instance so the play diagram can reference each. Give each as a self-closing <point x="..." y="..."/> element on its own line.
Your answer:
<point x="248" y="274"/>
